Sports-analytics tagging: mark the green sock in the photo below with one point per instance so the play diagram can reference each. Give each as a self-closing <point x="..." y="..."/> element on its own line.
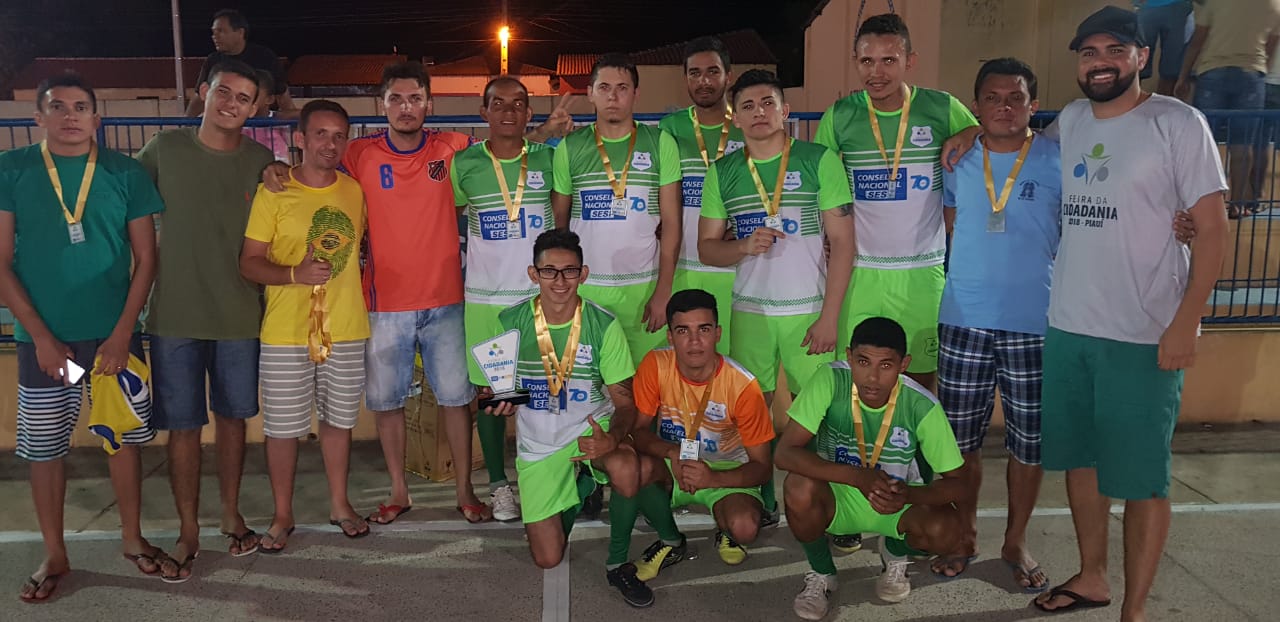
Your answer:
<point x="586" y="485"/>
<point x="899" y="548"/>
<point x="492" y="430"/>
<point x="655" y="504"/>
<point x="622" y="519"/>
<point x="819" y="556"/>
<point x="770" y="497"/>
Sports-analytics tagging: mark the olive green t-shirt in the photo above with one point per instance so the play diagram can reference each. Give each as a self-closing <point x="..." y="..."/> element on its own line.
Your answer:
<point x="199" y="293"/>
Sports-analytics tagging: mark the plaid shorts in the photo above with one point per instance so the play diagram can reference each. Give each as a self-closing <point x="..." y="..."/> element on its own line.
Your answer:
<point x="971" y="361"/>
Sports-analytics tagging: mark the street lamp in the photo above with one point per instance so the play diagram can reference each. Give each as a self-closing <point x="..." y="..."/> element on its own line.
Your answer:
<point x="504" y="35"/>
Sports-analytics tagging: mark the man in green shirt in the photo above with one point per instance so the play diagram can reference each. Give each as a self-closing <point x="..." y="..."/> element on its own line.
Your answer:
<point x="72" y="219"/>
<point x="704" y="132"/>
<point x="204" y="316"/>
<point x="857" y="433"/>
<point x="574" y="362"/>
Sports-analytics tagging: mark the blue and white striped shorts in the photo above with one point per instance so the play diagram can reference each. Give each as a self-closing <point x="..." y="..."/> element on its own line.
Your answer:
<point x="48" y="410"/>
<point x="971" y="362"/>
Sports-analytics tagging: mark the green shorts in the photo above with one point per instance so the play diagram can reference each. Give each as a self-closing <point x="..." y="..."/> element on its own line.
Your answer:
<point x="760" y="342"/>
<point x="854" y="515"/>
<point x="909" y="297"/>
<point x="481" y="323"/>
<point x="1108" y="406"/>
<point x="709" y="497"/>
<point x="549" y="486"/>
<point x="627" y="302"/>
<point x="718" y="284"/>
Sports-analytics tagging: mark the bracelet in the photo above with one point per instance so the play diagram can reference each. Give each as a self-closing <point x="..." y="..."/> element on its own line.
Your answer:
<point x="291" y="279"/>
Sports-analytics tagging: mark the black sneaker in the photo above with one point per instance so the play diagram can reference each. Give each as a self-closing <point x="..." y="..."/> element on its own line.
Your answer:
<point x="593" y="505"/>
<point x="658" y="556"/>
<point x="769" y="519"/>
<point x="847" y="544"/>
<point x="633" y="590"/>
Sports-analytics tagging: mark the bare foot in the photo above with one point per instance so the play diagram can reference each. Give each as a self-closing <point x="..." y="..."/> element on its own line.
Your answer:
<point x="41" y="584"/>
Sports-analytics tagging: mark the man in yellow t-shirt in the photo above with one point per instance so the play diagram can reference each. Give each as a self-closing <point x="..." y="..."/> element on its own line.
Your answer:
<point x="303" y="244"/>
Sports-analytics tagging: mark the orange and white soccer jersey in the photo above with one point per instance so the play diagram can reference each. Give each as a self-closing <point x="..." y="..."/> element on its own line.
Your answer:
<point x="413" y="260"/>
<point x="736" y="415"/>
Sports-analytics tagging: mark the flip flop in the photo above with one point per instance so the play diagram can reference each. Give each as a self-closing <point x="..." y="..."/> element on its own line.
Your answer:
<point x="394" y="510"/>
<point x="155" y="556"/>
<point x="1077" y="601"/>
<point x="1030" y="589"/>
<point x="482" y="511"/>
<point x="188" y="563"/>
<point x="36" y="585"/>
<point x="239" y="541"/>
<point x="950" y="559"/>
<point x="341" y="524"/>
<point x="274" y="538"/>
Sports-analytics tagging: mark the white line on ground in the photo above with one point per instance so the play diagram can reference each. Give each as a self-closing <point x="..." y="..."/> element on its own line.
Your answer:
<point x="687" y="520"/>
<point x="555" y="591"/>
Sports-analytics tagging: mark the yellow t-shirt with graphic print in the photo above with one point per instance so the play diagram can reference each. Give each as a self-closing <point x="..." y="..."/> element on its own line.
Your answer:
<point x="332" y="221"/>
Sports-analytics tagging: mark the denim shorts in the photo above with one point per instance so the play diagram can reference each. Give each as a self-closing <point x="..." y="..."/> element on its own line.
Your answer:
<point x="180" y="370"/>
<point x="1232" y="88"/>
<point x="438" y="335"/>
<point x="1167" y="26"/>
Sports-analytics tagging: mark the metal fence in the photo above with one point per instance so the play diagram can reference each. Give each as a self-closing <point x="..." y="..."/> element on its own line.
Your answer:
<point x="1247" y="291"/>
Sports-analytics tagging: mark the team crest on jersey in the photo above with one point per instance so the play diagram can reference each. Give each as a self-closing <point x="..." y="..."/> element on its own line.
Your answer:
<point x="535" y="181"/>
<point x="584" y="354"/>
<point x="921" y="135"/>
<point x="732" y="146"/>
<point x="436" y="170"/>
<point x="791" y="181"/>
<point x="716" y="411"/>
<point x="642" y="161"/>
<point x="900" y="438"/>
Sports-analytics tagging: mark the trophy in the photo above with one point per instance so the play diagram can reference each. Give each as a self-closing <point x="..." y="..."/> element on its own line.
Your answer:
<point x="497" y="360"/>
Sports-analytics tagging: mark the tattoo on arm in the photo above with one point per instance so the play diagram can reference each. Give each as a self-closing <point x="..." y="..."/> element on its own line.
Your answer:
<point x="623" y="389"/>
<point x="843" y="210"/>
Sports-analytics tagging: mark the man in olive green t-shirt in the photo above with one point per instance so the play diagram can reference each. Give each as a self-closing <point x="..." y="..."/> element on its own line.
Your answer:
<point x="204" y="317"/>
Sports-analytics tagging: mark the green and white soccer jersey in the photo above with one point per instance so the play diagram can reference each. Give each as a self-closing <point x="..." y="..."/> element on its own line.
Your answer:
<point x="919" y="427"/>
<point x="693" y="171"/>
<point x="499" y="249"/>
<point x="790" y="279"/>
<point x="548" y="424"/>
<point x="899" y="222"/>
<point x="621" y="249"/>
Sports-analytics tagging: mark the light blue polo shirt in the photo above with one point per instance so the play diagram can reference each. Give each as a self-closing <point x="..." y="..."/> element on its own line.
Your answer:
<point x="1000" y="281"/>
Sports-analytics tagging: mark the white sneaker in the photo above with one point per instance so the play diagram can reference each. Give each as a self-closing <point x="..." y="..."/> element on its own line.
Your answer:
<point x="893" y="586"/>
<point x="811" y="602"/>
<point x="504" y="504"/>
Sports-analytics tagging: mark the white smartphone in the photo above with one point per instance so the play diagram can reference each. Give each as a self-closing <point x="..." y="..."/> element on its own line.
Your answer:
<point x="74" y="372"/>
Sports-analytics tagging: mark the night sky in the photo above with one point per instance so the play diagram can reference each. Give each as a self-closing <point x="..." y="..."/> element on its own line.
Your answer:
<point x="443" y="30"/>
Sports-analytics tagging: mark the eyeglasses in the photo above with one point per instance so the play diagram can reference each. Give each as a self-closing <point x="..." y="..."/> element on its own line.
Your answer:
<point x="550" y="274"/>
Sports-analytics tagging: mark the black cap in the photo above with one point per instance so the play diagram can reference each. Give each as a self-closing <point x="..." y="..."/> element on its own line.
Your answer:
<point x="1109" y="20"/>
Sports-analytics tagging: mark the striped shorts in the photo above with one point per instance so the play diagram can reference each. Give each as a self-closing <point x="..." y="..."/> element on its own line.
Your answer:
<point x="48" y="410"/>
<point x="292" y="385"/>
<point x="971" y="362"/>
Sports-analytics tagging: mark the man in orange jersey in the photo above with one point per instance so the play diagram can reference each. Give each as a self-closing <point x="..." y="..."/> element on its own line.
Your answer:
<point x="710" y="444"/>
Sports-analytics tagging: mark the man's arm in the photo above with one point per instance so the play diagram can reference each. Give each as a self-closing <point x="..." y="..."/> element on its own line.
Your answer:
<point x="624" y="410"/>
<point x="793" y="455"/>
<point x="1189" y="58"/>
<point x="669" y="208"/>
<point x="562" y="185"/>
<point x="650" y="444"/>
<point x="50" y="353"/>
<point x="558" y="124"/>
<point x="142" y="241"/>
<point x="948" y="487"/>
<point x="1178" y="344"/>
<point x="754" y="472"/>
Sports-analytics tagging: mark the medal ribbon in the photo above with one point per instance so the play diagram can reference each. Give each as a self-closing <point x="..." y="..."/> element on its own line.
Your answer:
<point x="771" y="204"/>
<point x="85" y="182"/>
<point x="884" y="426"/>
<point x="702" y="142"/>
<point x="997" y="205"/>
<point x="902" y="131"/>
<point x="619" y="186"/>
<point x="513" y="204"/>
<point x="558" y="369"/>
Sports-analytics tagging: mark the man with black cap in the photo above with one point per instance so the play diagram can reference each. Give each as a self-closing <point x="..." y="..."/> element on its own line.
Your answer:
<point x="1125" y="303"/>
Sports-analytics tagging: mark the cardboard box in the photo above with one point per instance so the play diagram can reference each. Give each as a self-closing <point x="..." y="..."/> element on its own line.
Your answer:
<point x="427" y="448"/>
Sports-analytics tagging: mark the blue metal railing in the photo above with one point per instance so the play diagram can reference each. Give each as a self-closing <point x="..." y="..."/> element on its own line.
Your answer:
<point x="1247" y="292"/>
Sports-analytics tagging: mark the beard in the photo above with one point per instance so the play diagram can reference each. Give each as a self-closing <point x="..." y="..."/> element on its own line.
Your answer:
<point x="1102" y="93"/>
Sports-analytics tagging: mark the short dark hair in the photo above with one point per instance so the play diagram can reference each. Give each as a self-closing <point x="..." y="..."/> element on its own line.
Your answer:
<point x="616" y="61"/>
<point x="235" y="19"/>
<point x="553" y="239"/>
<point x="239" y="68"/>
<point x="266" y="81"/>
<point x="1007" y="66"/>
<point x="706" y="44"/>
<point x="321" y="105"/>
<point x="755" y="77"/>
<point x="407" y="70"/>
<point x="687" y="300"/>
<point x="65" y="79"/>
<point x="880" y="332"/>
<point x="504" y="80"/>
<point x="884" y="24"/>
